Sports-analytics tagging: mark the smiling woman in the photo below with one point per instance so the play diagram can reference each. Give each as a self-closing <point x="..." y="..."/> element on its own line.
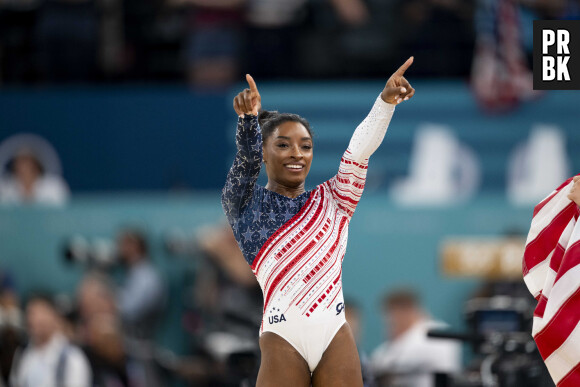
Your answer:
<point x="287" y="151"/>
<point x="295" y="240"/>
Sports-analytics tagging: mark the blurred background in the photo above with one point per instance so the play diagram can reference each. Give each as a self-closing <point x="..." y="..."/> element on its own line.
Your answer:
<point x="117" y="267"/>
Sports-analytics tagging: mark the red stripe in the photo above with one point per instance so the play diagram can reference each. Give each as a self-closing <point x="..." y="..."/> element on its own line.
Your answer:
<point x="560" y="326"/>
<point x="572" y="378"/>
<point x="541" y="307"/>
<point x="556" y="259"/>
<point x="262" y="253"/>
<point x="538" y="250"/>
<point x="346" y="198"/>
<point x="570" y="260"/>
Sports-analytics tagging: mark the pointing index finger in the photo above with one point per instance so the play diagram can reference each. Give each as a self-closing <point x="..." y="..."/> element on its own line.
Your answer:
<point x="252" y="83"/>
<point x="404" y="67"/>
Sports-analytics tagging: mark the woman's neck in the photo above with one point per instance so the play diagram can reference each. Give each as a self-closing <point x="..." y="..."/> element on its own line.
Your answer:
<point x="290" y="192"/>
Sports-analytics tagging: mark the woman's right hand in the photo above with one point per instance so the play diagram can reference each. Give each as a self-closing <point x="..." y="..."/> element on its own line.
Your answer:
<point x="248" y="101"/>
<point x="574" y="194"/>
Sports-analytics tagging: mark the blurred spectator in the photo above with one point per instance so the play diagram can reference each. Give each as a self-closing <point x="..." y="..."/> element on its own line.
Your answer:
<point x="49" y="359"/>
<point x="214" y="40"/>
<point x="9" y="310"/>
<point x="229" y="301"/>
<point x="501" y="75"/>
<point x="354" y="319"/>
<point x="30" y="172"/>
<point x="226" y="286"/>
<point x="18" y="62"/>
<point x="102" y="339"/>
<point x="410" y="358"/>
<point x="27" y="182"/>
<point x="141" y="297"/>
<point x="68" y="40"/>
<point x="95" y="297"/>
<point x="274" y="32"/>
<point x="10" y="324"/>
<point x="437" y="32"/>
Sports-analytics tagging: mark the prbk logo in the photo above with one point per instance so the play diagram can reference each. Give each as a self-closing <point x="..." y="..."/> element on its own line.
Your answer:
<point x="557" y="54"/>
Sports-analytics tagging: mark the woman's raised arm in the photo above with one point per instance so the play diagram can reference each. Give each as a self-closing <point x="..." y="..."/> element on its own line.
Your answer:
<point x="245" y="170"/>
<point x="347" y="186"/>
<point x="370" y="133"/>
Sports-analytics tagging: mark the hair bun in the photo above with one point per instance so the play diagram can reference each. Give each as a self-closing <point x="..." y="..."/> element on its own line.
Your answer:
<point x="265" y="116"/>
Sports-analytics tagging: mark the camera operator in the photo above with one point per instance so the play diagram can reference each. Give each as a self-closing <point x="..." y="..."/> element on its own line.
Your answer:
<point x="141" y="296"/>
<point x="411" y="359"/>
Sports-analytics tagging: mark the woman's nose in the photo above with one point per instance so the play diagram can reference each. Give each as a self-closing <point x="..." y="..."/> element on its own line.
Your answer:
<point x="296" y="152"/>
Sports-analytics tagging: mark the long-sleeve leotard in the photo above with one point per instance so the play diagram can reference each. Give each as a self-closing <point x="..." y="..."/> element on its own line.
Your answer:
<point x="295" y="246"/>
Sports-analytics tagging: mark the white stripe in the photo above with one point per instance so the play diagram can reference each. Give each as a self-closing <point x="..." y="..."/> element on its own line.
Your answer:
<point x="536" y="277"/>
<point x="536" y="283"/>
<point x="574" y="234"/>
<point x="565" y="358"/>
<point x="549" y="212"/>
<point x="561" y="291"/>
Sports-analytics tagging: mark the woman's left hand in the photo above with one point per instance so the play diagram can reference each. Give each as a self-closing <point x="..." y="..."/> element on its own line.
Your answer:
<point x="574" y="194"/>
<point x="398" y="89"/>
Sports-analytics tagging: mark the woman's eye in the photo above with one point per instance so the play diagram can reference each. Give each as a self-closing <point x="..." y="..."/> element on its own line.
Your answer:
<point x="282" y="145"/>
<point x="307" y="147"/>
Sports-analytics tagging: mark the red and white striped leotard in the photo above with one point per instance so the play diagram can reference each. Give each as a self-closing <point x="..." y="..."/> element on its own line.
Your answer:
<point x="299" y="266"/>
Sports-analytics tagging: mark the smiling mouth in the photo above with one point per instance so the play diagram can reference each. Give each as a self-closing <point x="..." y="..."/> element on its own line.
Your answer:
<point x="294" y="167"/>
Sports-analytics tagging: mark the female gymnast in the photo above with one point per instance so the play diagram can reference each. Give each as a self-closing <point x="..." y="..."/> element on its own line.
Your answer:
<point x="295" y="240"/>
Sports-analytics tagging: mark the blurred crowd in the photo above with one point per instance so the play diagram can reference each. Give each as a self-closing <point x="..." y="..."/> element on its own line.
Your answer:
<point x="106" y="334"/>
<point x="209" y="42"/>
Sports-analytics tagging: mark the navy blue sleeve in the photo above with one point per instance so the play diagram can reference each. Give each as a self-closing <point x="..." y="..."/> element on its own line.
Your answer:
<point x="244" y="173"/>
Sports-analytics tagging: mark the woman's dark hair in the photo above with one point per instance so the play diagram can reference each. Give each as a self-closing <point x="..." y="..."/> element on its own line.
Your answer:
<point x="270" y="120"/>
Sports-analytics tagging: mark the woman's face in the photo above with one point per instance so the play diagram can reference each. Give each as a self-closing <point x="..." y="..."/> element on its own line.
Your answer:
<point x="288" y="154"/>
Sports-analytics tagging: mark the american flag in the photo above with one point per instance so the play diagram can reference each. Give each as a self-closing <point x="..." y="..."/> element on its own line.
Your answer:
<point x="551" y="268"/>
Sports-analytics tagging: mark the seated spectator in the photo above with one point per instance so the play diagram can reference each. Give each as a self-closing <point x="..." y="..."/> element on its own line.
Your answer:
<point x="30" y="172"/>
<point x="141" y="296"/>
<point x="49" y="359"/>
<point x="410" y="358"/>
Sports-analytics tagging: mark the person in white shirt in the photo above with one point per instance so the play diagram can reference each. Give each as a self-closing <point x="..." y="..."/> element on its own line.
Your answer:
<point x="28" y="182"/>
<point x="49" y="360"/>
<point x="410" y="358"/>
